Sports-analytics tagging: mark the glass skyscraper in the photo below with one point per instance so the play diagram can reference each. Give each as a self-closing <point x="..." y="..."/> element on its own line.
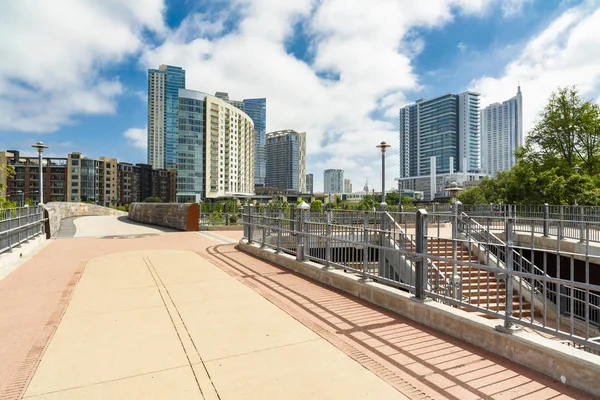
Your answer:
<point x="191" y="169"/>
<point x="257" y="111"/>
<point x="501" y="134"/>
<point x="286" y="160"/>
<point x="163" y="86"/>
<point x="446" y="127"/>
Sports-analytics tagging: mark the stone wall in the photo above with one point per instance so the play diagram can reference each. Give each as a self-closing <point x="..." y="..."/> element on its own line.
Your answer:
<point x="57" y="211"/>
<point x="178" y="216"/>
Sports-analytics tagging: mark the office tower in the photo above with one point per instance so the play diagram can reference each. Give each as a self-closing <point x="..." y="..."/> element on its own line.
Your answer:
<point x="333" y="181"/>
<point x="501" y="134"/>
<point x="256" y="109"/>
<point x="163" y="86"/>
<point x="347" y="186"/>
<point x="446" y="127"/>
<point x="192" y="138"/>
<point x="469" y="132"/>
<point x="286" y="160"/>
<point x="310" y="183"/>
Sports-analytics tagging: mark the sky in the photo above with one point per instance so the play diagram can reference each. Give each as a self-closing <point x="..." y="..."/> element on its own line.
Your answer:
<point x="73" y="73"/>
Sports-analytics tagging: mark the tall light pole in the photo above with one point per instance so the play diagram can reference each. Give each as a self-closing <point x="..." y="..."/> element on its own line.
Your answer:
<point x="40" y="148"/>
<point x="383" y="146"/>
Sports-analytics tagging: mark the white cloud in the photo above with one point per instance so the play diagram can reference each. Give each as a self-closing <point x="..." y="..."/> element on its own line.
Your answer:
<point x="513" y="7"/>
<point x="565" y="53"/>
<point x="137" y="137"/>
<point x="368" y="48"/>
<point x="52" y="53"/>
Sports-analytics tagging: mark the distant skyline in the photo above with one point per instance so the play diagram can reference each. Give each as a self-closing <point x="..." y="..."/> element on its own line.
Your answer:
<point x="74" y="74"/>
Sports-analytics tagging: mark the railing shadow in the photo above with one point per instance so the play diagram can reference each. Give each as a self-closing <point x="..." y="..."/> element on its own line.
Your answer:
<point x="394" y="347"/>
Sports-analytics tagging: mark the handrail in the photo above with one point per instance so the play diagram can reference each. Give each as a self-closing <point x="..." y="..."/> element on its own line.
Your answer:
<point x="431" y="264"/>
<point x="518" y="259"/>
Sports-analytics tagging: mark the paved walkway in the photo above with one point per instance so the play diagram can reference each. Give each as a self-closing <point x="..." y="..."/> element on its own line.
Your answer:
<point x="180" y="315"/>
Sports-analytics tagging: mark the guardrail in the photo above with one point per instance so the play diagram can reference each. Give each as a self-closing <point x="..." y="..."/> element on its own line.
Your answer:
<point x="352" y="241"/>
<point x="18" y="225"/>
<point x="573" y="222"/>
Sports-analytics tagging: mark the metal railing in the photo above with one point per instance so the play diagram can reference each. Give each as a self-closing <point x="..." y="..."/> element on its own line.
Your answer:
<point x="18" y="225"/>
<point x="573" y="222"/>
<point x="358" y="242"/>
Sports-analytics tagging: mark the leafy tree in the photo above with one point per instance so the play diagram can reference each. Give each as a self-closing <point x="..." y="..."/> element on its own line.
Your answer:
<point x="367" y="203"/>
<point x="152" y="199"/>
<point x="316" y="206"/>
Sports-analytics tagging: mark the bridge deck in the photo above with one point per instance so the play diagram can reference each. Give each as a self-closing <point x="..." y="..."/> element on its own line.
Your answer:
<point x="184" y="315"/>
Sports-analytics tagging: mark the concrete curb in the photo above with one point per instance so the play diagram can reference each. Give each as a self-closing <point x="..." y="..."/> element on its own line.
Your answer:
<point x="562" y="363"/>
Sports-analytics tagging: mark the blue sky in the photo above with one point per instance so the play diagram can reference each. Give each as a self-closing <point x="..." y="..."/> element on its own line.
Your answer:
<point x="74" y="72"/>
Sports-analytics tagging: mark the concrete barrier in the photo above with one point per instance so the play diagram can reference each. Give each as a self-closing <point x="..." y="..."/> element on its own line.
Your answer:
<point x="563" y="363"/>
<point x="57" y="211"/>
<point x="172" y="215"/>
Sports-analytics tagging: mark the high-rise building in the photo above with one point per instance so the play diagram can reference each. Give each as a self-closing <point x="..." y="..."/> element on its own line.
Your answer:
<point x="501" y="134"/>
<point x="333" y="181"/>
<point x="229" y="150"/>
<point x="286" y="160"/>
<point x="192" y="139"/>
<point x="443" y="132"/>
<point x="347" y="186"/>
<point x="310" y="184"/>
<point x="216" y="148"/>
<point x="163" y="91"/>
<point x="256" y="109"/>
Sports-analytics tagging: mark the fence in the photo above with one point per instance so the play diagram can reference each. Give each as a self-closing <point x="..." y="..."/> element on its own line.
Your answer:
<point x="446" y="256"/>
<point x="573" y="222"/>
<point x="17" y="225"/>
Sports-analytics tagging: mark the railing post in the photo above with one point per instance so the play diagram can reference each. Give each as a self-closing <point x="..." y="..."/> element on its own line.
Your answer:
<point x="581" y="224"/>
<point x="264" y="228"/>
<point x="306" y="230"/>
<point x="250" y="223"/>
<point x="454" y="279"/>
<point x="508" y="325"/>
<point x="546" y="219"/>
<point x="292" y="219"/>
<point x="365" y="271"/>
<point x="279" y="233"/>
<point x="420" y="246"/>
<point x="328" y="240"/>
<point x="400" y="210"/>
<point x="561" y="223"/>
<point x="382" y="231"/>
<point x="299" y="241"/>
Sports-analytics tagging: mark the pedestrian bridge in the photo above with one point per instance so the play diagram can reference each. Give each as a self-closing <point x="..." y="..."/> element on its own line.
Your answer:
<point x="110" y="308"/>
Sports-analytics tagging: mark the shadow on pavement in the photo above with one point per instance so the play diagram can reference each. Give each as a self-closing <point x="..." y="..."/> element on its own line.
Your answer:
<point x="415" y="359"/>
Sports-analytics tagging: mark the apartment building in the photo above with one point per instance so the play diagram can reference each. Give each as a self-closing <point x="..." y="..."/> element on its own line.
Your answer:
<point x="333" y="181"/>
<point x="501" y="134"/>
<point x="286" y="160"/>
<point x="24" y="184"/>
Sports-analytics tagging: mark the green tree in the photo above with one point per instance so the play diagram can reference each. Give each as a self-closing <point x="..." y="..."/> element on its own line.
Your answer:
<point x="316" y="206"/>
<point x="152" y="199"/>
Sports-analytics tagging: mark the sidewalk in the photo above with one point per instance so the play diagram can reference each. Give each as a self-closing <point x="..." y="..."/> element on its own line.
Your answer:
<point x="169" y="324"/>
<point x="180" y="315"/>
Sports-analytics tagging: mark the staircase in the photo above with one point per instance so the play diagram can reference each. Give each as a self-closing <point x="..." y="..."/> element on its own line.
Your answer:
<point x="478" y="287"/>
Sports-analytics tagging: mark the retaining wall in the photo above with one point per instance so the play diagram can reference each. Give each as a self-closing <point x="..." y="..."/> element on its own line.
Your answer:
<point x="172" y="215"/>
<point x="563" y="363"/>
<point x="57" y="211"/>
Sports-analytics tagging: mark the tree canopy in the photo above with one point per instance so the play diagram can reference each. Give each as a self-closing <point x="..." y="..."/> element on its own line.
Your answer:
<point x="559" y="162"/>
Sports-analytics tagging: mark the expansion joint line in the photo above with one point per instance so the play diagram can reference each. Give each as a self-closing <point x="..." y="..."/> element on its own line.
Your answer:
<point x="160" y="285"/>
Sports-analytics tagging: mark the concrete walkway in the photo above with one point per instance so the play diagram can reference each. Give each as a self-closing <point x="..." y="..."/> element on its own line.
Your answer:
<point x="182" y="315"/>
<point x="169" y="324"/>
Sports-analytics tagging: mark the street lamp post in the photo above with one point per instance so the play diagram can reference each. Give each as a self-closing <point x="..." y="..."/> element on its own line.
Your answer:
<point x="40" y="146"/>
<point x="383" y="146"/>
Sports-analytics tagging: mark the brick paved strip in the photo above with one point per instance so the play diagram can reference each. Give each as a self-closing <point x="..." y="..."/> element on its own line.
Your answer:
<point x="416" y="360"/>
